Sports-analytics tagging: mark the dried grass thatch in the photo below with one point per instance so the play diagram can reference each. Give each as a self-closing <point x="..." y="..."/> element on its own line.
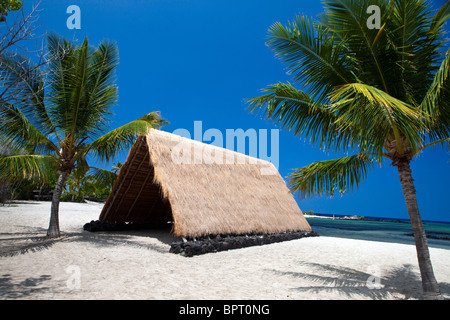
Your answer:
<point x="202" y="188"/>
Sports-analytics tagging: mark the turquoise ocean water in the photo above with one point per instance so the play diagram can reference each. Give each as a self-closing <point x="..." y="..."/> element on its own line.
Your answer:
<point x="387" y="231"/>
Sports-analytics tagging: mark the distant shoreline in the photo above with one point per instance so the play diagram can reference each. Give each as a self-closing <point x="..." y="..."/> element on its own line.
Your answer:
<point x="354" y="217"/>
<point x="364" y="218"/>
<point x="430" y="234"/>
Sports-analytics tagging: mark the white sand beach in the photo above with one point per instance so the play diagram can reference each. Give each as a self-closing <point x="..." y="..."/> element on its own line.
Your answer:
<point x="138" y="265"/>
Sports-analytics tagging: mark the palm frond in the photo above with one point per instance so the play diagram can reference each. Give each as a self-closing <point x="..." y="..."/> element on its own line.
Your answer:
<point x="29" y="167"/>
<point x="331" y="176"/>
<point x="437" y="101"/>
<point x="61" y="67"/>
<point x="76" y="84"/>
<point x="416" y="36"/>
<point x="100" y="90"/>
<point x="313" y="50"/>
<point x="112" y="143"/>
<point x="348" y="20"/>
<point x="20" y="132"/>
<point x="379" y="114"/>
<point x="434" y="144"/>
<point x="23" y="85"/>
<point x="296" y="111"/>
<point x="103" y="177"/>
<point x="440" y="18"/>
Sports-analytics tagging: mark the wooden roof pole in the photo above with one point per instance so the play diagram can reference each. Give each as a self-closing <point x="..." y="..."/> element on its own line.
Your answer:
<point x="138" y="195"/>
<point x="134" y="175"/>
<point x="121" y="181"/>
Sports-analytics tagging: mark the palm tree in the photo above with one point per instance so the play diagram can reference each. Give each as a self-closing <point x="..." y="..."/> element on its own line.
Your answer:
<point x="60" y="114"/>
<point x="75" y="181"/>
<point x="116" y="167"/>
<point x="376" y="94"/>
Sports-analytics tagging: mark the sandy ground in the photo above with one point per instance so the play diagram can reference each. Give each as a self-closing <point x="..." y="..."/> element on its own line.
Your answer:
<point x="138" y="265"/>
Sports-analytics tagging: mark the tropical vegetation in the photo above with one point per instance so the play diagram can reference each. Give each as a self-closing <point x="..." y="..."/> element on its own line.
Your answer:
<point x="8" y="5"/>
<point x="59" y="115"/>
<point x="378" y="95"/>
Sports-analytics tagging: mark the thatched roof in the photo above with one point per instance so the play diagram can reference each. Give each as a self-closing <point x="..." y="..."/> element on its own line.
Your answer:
<point x="202" y="188"/>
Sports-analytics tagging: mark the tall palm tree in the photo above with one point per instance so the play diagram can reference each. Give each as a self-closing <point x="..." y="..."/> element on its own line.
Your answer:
<point x="381" y="94"/>
<point x="60" y="114"/>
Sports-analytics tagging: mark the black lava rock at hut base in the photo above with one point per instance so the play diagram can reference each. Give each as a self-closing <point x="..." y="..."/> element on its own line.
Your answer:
<point x="218" y="243"/>
<point x="97" y="225"/>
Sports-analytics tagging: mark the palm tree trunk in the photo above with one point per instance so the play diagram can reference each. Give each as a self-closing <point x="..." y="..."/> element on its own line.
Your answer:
<point x="429" y="283"/>
<point x="53" y="228"/>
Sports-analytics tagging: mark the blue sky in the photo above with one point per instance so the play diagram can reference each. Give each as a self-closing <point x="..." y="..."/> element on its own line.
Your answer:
<point x="198" y="60"/>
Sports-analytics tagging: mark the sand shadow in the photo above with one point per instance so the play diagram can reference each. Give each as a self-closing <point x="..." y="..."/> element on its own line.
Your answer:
<point x="10" y="289"/>
<point x="355" y="284"/>
<point x="24" y="242"/>
<point x="12" y="244"/>
<point x="164" y="235"/>
<point x="134" y="238"/>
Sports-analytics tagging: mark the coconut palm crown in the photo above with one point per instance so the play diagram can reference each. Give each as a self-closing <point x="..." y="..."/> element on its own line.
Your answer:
<point x="60" y="113"/>
<point x="375" y="94"/>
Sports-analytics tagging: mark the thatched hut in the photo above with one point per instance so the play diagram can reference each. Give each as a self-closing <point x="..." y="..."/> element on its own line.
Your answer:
<point x="203" y="189"/>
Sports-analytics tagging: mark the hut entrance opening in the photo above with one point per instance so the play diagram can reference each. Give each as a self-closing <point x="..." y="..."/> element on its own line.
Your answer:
<point x="137" y="198"/>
